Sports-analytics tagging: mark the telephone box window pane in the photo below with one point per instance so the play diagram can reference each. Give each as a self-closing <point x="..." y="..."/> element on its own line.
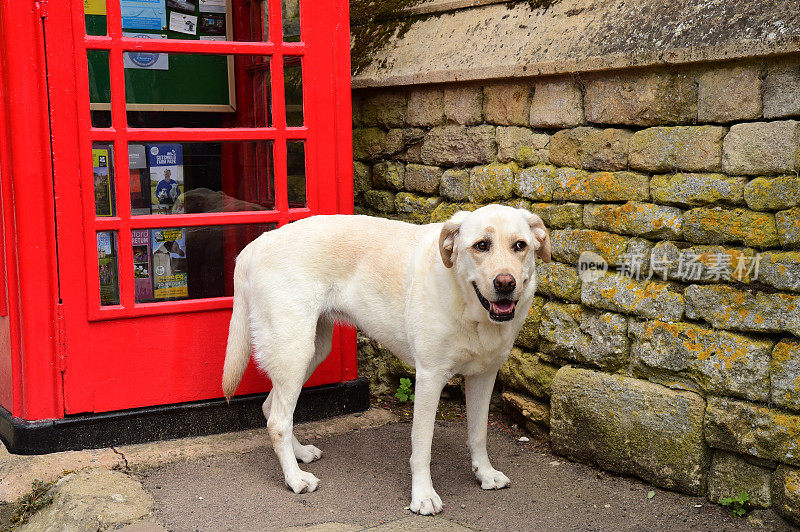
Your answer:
<point x="196" y="177"/>
<point x="99" y="87"/>
<point x="103" y="177"/>
<point x="107" y="267"/>
<point x="293" y="88"/>
<point x="188" y="90"/>
<point x="94" y="12"/>
<point x="188" y="262"/>
<point x="296" y="173"/>
<point x="290" y="13"/>
<point x="262" y="32"/>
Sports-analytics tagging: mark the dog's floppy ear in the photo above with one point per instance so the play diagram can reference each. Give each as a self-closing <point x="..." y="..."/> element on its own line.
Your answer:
<point x="447" y="238"/>
<point x="540" y="233"/>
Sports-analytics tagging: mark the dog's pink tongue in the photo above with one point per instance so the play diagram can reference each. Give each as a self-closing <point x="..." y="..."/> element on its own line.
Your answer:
<point x="502" y="307"/>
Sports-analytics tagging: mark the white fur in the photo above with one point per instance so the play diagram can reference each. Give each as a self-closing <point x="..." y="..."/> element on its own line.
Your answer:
<point x="410" y="288"/>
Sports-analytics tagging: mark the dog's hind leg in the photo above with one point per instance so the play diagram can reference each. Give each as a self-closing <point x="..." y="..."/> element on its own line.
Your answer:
<point x="322" y="344"/>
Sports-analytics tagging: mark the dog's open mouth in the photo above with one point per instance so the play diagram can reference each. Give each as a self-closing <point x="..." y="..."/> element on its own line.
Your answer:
<point x="500" y="310"/>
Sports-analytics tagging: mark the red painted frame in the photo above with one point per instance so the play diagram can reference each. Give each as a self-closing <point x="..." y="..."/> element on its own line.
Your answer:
<point x="66" y="353"/>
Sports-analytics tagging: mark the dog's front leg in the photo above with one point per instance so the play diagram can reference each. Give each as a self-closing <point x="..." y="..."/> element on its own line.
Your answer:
<point x="424" y="499"/>
<point x="479" y="394"/>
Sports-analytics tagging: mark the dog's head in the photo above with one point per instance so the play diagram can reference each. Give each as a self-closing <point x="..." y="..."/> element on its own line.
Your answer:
<point x="493" y="254"/>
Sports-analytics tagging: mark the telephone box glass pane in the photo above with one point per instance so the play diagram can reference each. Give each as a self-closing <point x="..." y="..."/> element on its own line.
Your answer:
<point x="94" y="12"/>
<point x="99" y="87"/>
<point x="296" y="173"/>
<point x="103" y="177"/>
<point x="188" y="262"/>
<point x="293" y="89"/>
<point x="290" y="14"/>
<point x="107" y="267"/>
<point x="196" y="177"/>
<point x="187" y="90"/>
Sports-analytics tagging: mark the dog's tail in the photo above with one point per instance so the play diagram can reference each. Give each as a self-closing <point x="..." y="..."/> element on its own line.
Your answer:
<point x="237" y="354"/>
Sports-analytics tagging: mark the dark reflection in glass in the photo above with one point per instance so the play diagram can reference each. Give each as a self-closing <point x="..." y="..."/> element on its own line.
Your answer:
<point x="188" y="262"/>
<point x="293" y="90"/>
<point x="195" y="177"/>
<point x="290" y="14"/>
<point x="296" y="173"/>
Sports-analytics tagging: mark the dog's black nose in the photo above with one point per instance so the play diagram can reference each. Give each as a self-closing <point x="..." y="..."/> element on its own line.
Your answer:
<point x="504" y="283"/>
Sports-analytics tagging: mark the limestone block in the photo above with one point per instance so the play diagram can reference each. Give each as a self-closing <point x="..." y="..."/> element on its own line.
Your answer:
<point x="782" y="91"/>
<point x="730" y="475"/>
<point x="521" y="145"/>
<point x="577" y="334"/>
<point x="387" y="109"/>
<point x="507" y="103"/>
<point x="634" y="218"/>
<point x="408" y="138"/>
<point x="620" y="293"/>
<point x="529" y="334"/>
<point x="631" y="427"/>
<point x="555" y="279"/>
<point x="414" y="203"/>
<point x="362" y="177"/>
<point x="559" y="215"/>
<point x="752" y="429"/>
<point x="568" y="244"/>
<point x="729" y="93"/>
<point x="464" y="105"/>
<point x="579" y="185"/>
<point x="369" y="143"/>
<point x="785" y="373"/>
<point x="445" y="211"/>
<point x="536" y="182"/>
<point x="380" y="200"/>
<point x="788" y="226"/>
<point x="705" y="225"/>
<point x="591" y="148"/>
<point x="681" y="148"/>
<point x="389" y="174"/>
<point x="557" y="104"/>
<point x="536" y="414"/>
<point x="378" y="365"/>
<point x="459" y="145"/>
<point x="762" y="148"/>
<point x="786" y="493"/>
<point x="648" y="99"/>
<point x="704" y="263"/>
<point x="689" y="356"/>
<point x="492" y="182"/>
<point x="726" y="307"/>
<point x="425" y="107"/>
<point x="780" y="269"/>
<point x="422" y="178"/>
<point x="528" y="373"/>
<point x="765" y="194"/>
<point x="93" y="499"/>
<point x="455" y="184"/>
<point x="695" y="190"/>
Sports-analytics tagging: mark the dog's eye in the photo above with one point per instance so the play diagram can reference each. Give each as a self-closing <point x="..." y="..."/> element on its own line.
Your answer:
<point x="481" y="245"/>
<point x="520" y="245"/>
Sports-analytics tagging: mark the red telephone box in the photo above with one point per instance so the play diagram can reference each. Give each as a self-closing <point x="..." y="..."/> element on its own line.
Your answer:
<point x="143" y="144"/>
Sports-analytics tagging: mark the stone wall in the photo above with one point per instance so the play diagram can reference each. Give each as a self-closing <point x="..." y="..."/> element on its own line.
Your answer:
<point x="681" y="364"/>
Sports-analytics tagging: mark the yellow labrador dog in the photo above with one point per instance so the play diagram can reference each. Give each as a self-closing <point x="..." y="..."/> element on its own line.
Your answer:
<point x="445" y="298"/>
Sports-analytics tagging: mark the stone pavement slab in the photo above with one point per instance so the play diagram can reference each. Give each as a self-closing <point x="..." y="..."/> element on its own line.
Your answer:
<point x="365" y="483"/>
<point x="17" y="472"/>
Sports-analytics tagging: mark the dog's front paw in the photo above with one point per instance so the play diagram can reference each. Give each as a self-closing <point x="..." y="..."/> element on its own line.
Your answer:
<point x="427" y="502"/>
<point x="492" y="479"/>
<point x="302" y="483"/>
<point x="307" y="453"/>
